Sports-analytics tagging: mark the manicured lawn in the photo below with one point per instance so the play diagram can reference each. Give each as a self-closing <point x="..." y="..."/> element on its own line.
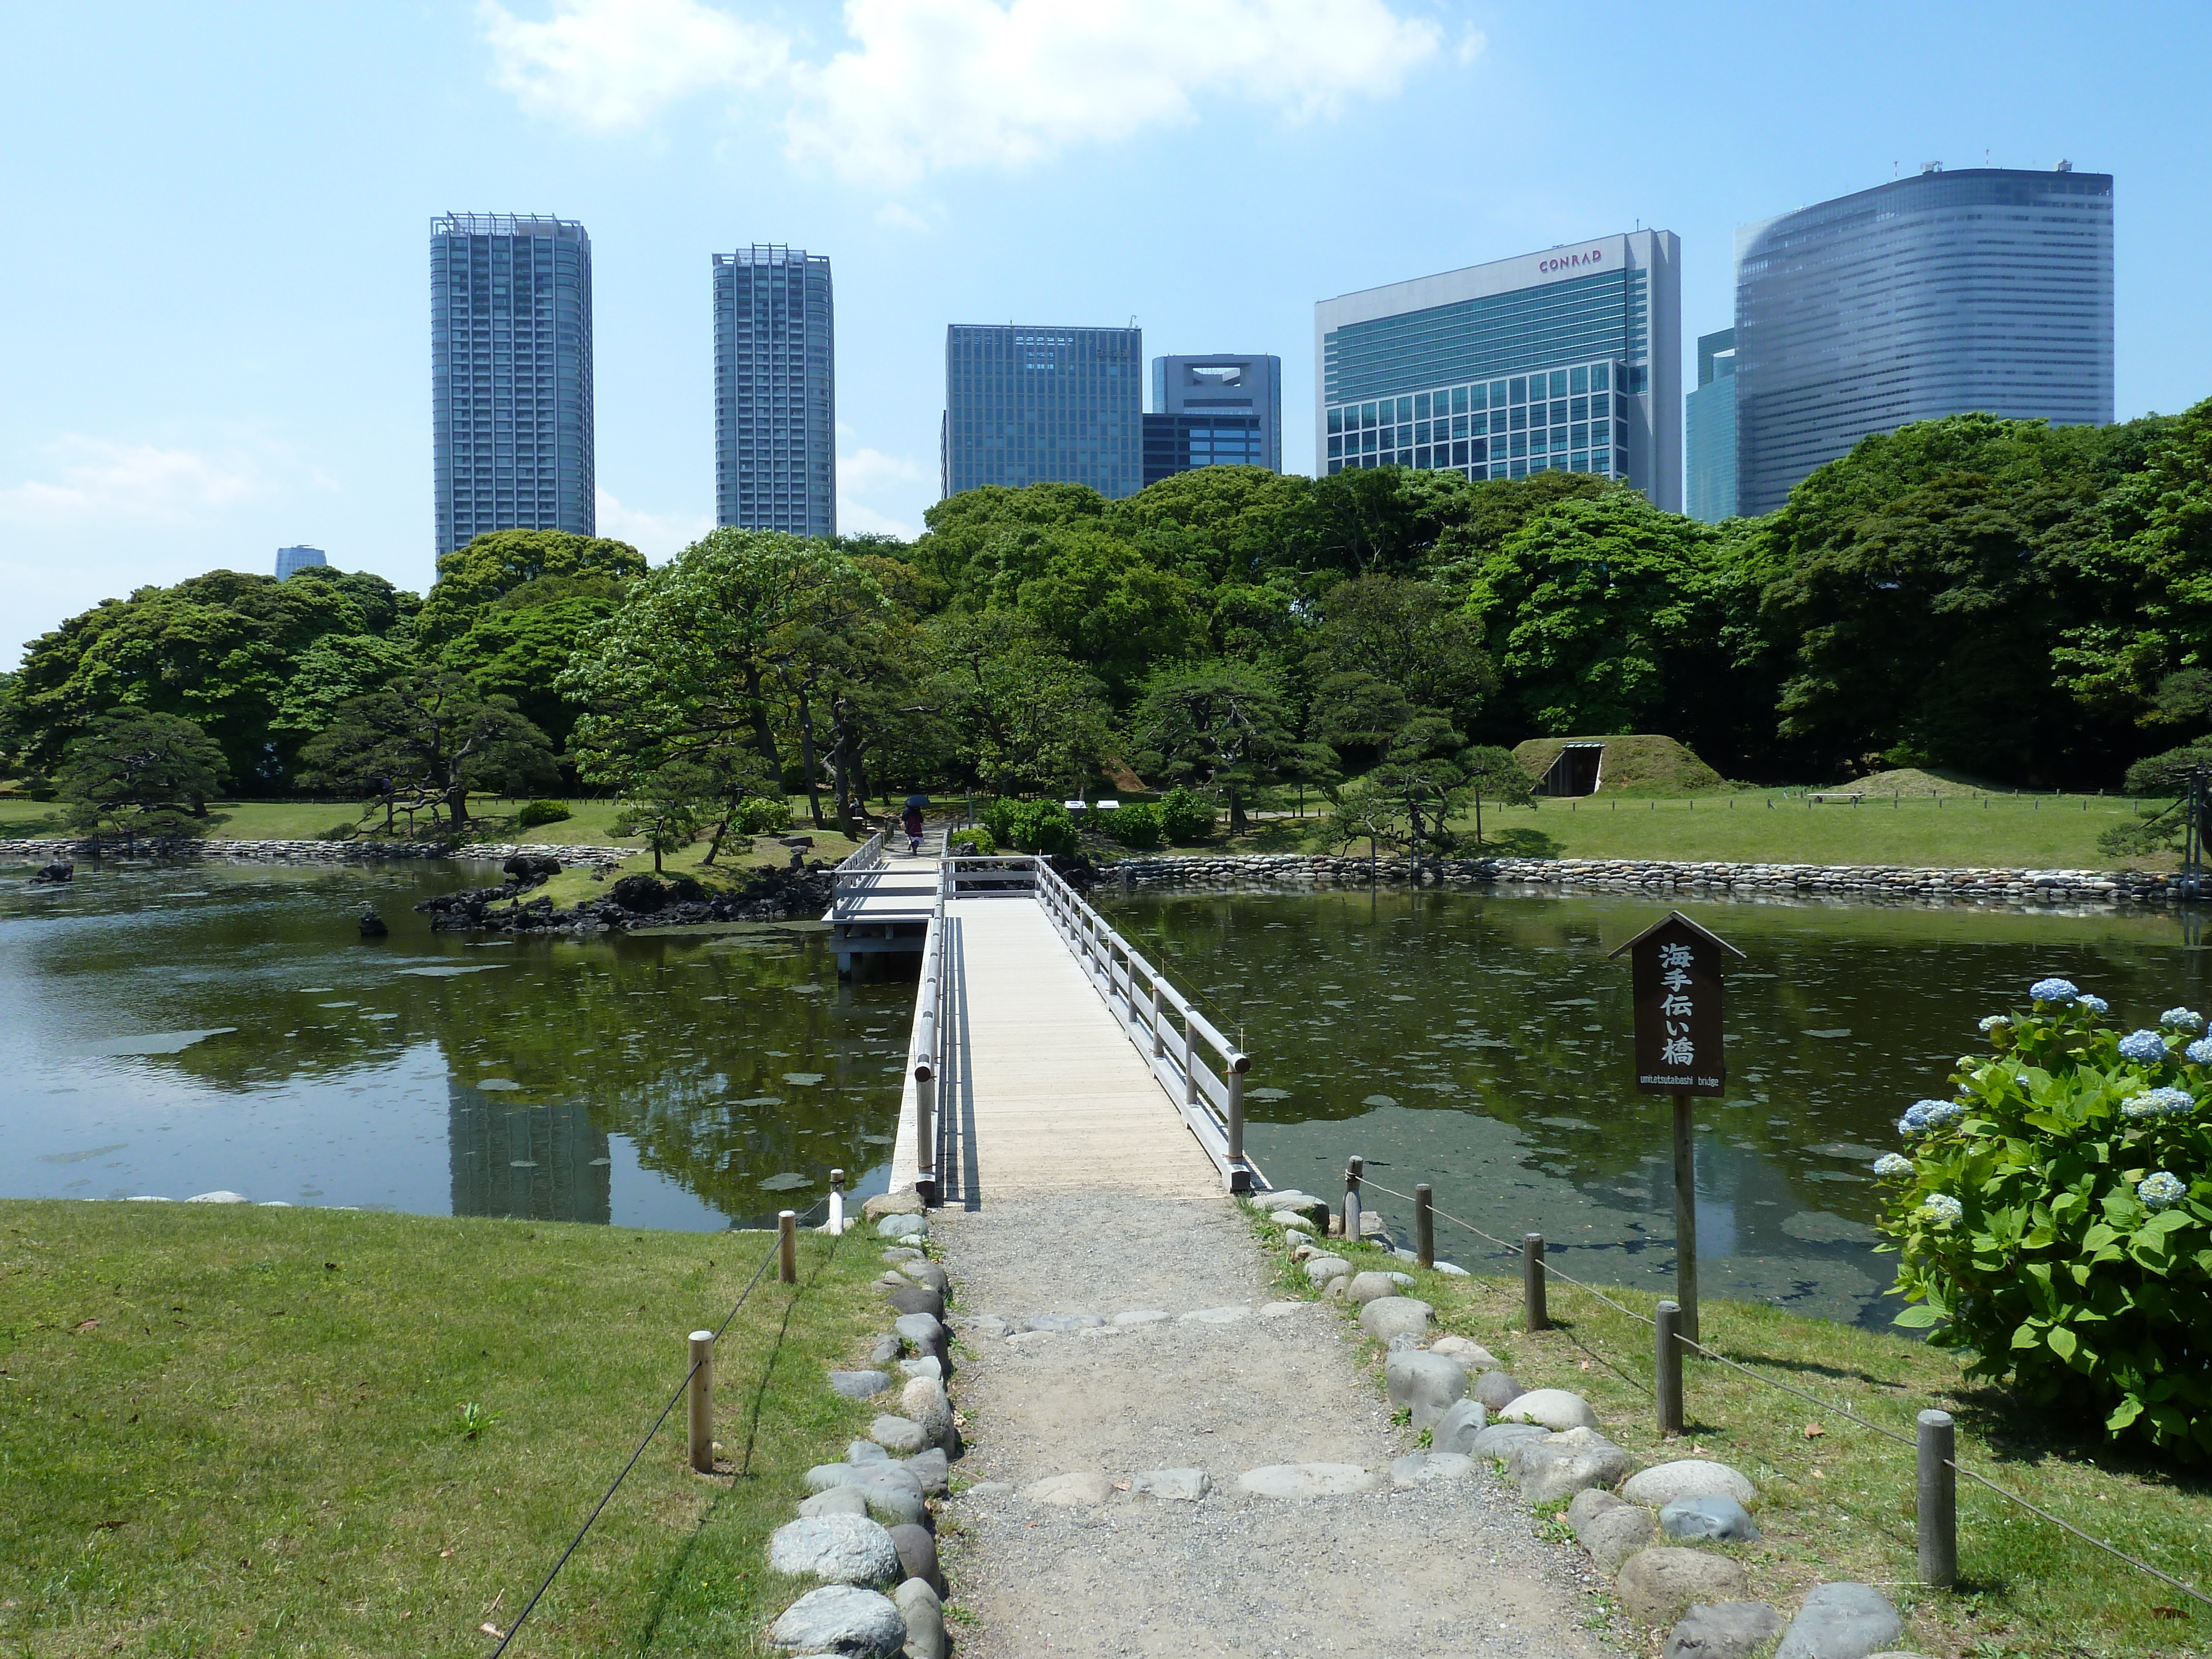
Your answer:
<point x="238" y="1430"/>
<point x="1837" y="1499"/>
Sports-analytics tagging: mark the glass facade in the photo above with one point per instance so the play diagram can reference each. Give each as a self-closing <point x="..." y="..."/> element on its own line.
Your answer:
<point x="1558" y="362"/>
<point x="1026" y="405"/>
<point x="290" y="559"/>
<point x="1709" y="431"/>
<point x="1180" y="443"/>
<point x="510" y="375"/>
<point x="1988" y="289"/>
<point x="1231" y="388"/>
<point x="775" y="394"/>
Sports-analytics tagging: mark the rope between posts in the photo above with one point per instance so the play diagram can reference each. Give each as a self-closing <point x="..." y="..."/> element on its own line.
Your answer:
<point x="1827" y="1405"/>
<point x="515" y="1629"/>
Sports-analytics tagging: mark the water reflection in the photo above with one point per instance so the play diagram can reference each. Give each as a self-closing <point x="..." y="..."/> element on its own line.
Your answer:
<point x="527" y="1162"/>
<point x="1481" y="1043"/>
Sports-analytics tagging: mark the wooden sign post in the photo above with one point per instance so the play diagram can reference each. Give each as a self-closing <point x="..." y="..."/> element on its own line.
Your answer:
<point x="1676" y="974"/>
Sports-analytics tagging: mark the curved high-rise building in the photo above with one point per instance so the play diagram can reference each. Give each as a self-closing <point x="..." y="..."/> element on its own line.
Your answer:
<point x="776" y="390"/>
<point x="1986" y="289"/>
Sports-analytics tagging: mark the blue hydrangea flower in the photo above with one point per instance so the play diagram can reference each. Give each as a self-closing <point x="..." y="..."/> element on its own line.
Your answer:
<point x="2144" y="1048"/>
<point x="2094" y="1004"/>
<point x="2200" y="1051"/>
<point x="2158" y="1102"/>
<point x="1941" y="1206"/>
<point x="1992" y="1023"/>
<point x="1925" y="1114"/>
<point x="2161" y="1190"/>
<point x="2181" y="1019"/>
<point x="1893" y="1163"/>
<point x="2054" y="990"/>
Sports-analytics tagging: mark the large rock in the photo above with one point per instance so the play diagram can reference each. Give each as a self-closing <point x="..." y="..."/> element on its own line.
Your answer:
<point x="1499" y="1439"/>
<point x="1182" y="1485"/>
<point x="928" y="1365"/>
<point x="916" y="1299"/>
<point x="903" y="1226"/>
<point x="924" y="1614"/>
<point x="1429" y="1384"/>
<point x="838" y="1500"/>
<point x="867" y="1451"/>
<point x="841" y="1619"/>
<point x="883" y="1204"/>
<point x="1840" y="1622"/>
<point x="928" y="1274"/>
<point x="838" y="1549"/>
<point x="933" y="1469"/>
<point x="1732" y="1630"/>
<point x="1656" y="1586"/>
<point x="1496" y="1390"/>
<point x="1455" y="1430"/>
<point x="1472" y="1355"/>
<point x="1306" y="1480"/>
<point x="897" y="1434"/>
<point x="859" y="1385"/>
<point x="917" y="1554"/>
<point x="1431" y="1469"/>
<point x="923" y="1402"/>
<point x="1555" y="1408"/>
<point x="924" y="1333"/>
<point x="1716" y="1518"/>
<point x="1078" y="1487"/>
<point x="1061" y="1323"/>
<point x="887" y="1349"/>
<point x="1609" y="1529"/>
<point x="1561" y="1465"/>
<point x="1320" y="1269"/>
<point x="1370" y="1286"/>
<point x="1395" y="1316"/>
<point x="1688" y="1477"/>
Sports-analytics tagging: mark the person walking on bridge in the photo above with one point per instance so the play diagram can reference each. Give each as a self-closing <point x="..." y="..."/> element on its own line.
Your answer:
<point x="911" y="822"/>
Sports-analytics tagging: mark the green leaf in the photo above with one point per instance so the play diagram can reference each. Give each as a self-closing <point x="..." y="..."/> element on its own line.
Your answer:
<point x="2063" y="1342"/>
<point x="1918" y="1317"/>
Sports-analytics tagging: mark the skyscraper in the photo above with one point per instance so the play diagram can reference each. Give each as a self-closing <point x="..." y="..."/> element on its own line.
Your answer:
<point x="1709" y="430"/>
<point x="1987" y="288"/>
<point x="510" y="375"/>
<point x="775" y="391"/>
<point x="290" y="559"/>
<point x="1223" y="410"/>
<point x="1566" y="360"/>
<point x="1027" y="406"/>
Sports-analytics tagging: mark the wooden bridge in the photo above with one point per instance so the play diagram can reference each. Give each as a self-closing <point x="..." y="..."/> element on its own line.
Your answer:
<point x="1044" y="1049"/>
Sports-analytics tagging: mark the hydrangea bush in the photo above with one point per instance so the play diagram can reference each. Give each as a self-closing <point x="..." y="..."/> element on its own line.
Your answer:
<point x="2055" y="1216"/>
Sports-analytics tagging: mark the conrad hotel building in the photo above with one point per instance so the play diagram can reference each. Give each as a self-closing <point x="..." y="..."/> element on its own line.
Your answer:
<point x="1567" y="359"/>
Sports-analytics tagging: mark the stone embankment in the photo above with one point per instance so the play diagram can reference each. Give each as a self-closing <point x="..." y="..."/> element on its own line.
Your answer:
<point x="638" y="901"/>
<point x="1276" y="872"/>
<point x="323" y="852"/>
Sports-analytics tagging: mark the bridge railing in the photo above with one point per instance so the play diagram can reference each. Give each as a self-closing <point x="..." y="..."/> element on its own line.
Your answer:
<point x="850" y="881"/>
<point x="976" y="875"/>
<point x="1200" y="1069"/>
<point x="926" y="1046"/>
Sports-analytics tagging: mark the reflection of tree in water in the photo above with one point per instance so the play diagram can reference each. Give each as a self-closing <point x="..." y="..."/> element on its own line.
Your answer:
<point x="525" y="1162"/>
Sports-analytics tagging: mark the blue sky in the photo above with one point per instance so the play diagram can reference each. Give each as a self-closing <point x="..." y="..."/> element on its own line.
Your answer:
<point x="214" y="315"/>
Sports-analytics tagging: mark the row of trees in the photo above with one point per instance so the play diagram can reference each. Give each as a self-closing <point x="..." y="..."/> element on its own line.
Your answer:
<point x="2030" y="603"/>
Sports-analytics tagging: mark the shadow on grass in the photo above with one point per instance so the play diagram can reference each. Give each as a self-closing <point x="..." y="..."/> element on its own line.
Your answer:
<point x="1512" y="844"/>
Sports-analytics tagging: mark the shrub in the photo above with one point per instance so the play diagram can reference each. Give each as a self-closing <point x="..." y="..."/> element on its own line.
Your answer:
<point x="976" y="840"/>
<point x="762" y="815"/>
<point x="1136" y="826"/>
<point x="541" y="811"/>
<point x="1185" y="817"/>
<point x="2055" y="1216"/>
<point x="1033" y="826"/>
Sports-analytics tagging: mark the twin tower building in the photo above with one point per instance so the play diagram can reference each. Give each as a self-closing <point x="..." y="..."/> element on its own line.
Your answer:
<point x="1985" y="289"/>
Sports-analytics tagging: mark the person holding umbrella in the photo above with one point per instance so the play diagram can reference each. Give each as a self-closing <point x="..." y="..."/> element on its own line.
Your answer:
<point x="911" y="822"/>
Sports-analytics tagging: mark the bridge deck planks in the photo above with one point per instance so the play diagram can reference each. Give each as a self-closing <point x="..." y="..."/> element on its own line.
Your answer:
<point x="1050" y="1096"/>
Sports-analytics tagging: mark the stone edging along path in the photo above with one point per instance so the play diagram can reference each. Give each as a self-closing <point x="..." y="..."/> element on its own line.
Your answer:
<point x="1279" y="871"/>
<point x="327" y="852"/>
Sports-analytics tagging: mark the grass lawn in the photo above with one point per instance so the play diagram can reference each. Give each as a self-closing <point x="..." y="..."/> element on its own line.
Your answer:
<point x="1837" y="1500"/>
<point x="238" y="1430"/>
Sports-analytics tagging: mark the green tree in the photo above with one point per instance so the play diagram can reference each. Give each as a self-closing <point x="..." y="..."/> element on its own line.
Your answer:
<point x="669" y="808"/>
<point x="1022" y="718"/>
<point x="333" y="671"/>
<point x="141" y="775"/>
<point x="422" y="743"/>
<point x="1410" y="796"/>
<point x="1389" y="645"/>
<point x="1224" y="727"/>
<point x="471" y="579"/>
<point x="1491" y="773"/>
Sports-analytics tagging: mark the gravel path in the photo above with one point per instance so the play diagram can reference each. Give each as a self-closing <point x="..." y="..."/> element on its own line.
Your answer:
<point x="1427" y="1572"/>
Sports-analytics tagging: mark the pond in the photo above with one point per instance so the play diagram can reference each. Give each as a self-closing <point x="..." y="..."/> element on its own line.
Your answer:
<point x="178" y="1029"/>
<point x="1481" y="1043"/>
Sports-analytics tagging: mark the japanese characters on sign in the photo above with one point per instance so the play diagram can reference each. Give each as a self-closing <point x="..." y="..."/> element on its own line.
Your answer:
<point x="1676" y="969"/>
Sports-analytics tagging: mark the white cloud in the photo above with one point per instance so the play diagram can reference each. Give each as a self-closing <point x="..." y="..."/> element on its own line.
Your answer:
<point x="659" y="535"/>
<point x="854" y="519"/>
<point x="928" y="85"/>
<point x="612" y="63"/>
<point x="1471" y="44"/>
<point x="96" y="481"/>
<point x="865" y="469"/>
<point x="872" y="473"/>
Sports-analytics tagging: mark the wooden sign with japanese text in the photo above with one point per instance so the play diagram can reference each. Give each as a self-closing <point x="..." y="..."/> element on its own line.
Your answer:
<point x="1676" y="973"/>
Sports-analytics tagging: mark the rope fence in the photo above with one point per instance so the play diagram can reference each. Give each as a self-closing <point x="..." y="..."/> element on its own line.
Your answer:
<point x="703" y="1357"/>
<point x="1535" y="1264"/>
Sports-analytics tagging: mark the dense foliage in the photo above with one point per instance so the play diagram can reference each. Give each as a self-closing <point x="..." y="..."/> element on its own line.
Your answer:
<point x="2028" y="604"/>
<point x="2055" y="1216"/>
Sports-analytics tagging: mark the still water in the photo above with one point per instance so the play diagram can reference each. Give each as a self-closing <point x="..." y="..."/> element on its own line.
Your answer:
<point x="1481" y="1044"/>
<point x="175" y="1030"/>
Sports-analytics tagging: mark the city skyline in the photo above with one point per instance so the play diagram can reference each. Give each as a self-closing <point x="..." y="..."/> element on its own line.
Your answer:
<point x="776" y="390"/>
<point x="1211" y="177"/>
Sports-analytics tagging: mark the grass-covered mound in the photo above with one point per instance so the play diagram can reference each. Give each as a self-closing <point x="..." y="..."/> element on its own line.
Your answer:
<point x="1643" y="764"/>
<point x="1917" y="783"/>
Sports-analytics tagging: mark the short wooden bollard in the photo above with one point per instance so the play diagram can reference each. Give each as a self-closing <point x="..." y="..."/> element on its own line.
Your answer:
<point x="702" y="1401"/>
<point x="836" y="1202"/>
<point x="1425" y="1225"/>
<point x="1938" y="1501"/>
<point x="1668" y="1367"/>
<point x="1352" y="1174"/>
<point x="786" y="1265"/>
<point x="1532" y="1280"/>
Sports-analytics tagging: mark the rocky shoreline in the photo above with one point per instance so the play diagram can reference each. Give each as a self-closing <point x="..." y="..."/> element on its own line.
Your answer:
<point x="633" y="902"/>
<point x="1279" y="872"/>
<point x="327" y="852"/>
